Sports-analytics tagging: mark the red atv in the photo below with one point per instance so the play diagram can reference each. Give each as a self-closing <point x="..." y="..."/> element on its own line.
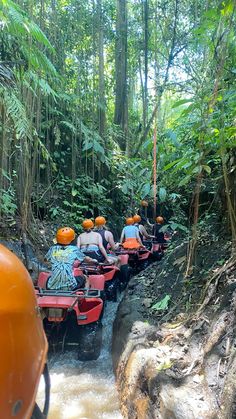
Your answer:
<point x="73" y="318"/>
<point x="158" y="249"/>
<point x="115" y="278"/>
<point x="138" y="259"/>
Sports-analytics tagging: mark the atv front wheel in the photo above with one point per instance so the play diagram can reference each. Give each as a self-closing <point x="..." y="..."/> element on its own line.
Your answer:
<point x="90" y="341"/>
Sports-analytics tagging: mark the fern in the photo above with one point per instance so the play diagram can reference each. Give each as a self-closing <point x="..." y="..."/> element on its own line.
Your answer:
<point x="17" y="112"/>
<point x="38" y="59"/>
<point x="69" y="125"/>
<point x="19" y="24"/>
<point x="6" y="76"/>
<point x="39" y="36"/>
<point x="39" y="82"/>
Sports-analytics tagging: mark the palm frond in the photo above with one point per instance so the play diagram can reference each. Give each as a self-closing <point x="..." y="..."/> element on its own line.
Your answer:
<point x="38" y="60"/>
<point x="18" y="23"/>
<point x="16" y="111"/>
<point x="35" y="82"/>
<point x="6" y="76"/>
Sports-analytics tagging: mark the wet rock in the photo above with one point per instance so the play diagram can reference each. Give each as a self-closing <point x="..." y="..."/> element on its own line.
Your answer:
<point x="187" y="402"/>
<point x="15" y="246"/>
<point x="25" y="251"/>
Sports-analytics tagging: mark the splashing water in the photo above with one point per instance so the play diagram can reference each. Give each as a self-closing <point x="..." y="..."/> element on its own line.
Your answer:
<point x="84" y="390"/>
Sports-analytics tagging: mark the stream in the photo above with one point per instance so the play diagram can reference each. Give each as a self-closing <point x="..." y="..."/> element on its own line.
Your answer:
<point x="84" y="390"/>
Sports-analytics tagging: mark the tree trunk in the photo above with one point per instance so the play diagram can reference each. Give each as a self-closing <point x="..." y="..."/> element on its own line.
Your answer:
<point x="101" y="103"/>
<point x="121" y="111"/>
<point x="145" y="109"/>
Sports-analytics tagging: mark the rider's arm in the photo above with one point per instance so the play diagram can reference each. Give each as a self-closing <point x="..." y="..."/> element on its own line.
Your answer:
<point x="144" y="232"/>
<point x="122" y="236"/>
<point x="148" y="222"/>
<point x="111" y="240"/>
<point x="101" y="248"/>
<point x="90" y="260"/>
<point x="82" y="258"/>
<point x="137" y="236"/>
<point x="47" y="257"/>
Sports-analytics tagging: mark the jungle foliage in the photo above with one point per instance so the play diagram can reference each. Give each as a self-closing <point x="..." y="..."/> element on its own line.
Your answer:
<point x="82" y="85"/>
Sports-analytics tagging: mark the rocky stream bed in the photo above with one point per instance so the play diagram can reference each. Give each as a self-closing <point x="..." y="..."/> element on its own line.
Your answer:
<point x="173" y="345"/>
<point x="178" y="362"/>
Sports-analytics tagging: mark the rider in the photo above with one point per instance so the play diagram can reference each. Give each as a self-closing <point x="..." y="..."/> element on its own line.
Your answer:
<point x="130" y="237"/>
<point x="23" y="344"/>
<point x="159" y="235"/>
<point x="90" y="243"/>
<point x="142" y="230"/>
<point x="107" y="236"/>
<point x="62" y="256"/>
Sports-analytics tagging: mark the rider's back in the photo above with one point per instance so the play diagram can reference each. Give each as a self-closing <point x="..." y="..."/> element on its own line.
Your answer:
<point x="130" y="231"/>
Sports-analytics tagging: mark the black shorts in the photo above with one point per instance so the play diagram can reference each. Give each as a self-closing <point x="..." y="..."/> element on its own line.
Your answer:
<point x="95" y="254"/>
<point x="80" y="282"/>
<point x="160" y="238"/>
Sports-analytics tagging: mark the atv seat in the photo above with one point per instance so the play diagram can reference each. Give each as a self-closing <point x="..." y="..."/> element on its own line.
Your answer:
<point x="42" y="279"/>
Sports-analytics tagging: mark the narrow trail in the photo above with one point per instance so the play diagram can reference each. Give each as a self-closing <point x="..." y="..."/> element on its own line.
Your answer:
<point x="84" y="390"/>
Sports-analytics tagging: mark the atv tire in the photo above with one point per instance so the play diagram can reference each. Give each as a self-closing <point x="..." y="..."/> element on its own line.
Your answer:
<point x="125" y="275"/>
<point x="90" y="341"/>
<point x="144" y="264"/>
<point x="111" y="289"/>
<point x="157" y="255"/>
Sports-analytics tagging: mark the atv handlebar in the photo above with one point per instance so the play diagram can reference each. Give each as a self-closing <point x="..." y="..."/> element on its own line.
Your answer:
<point x="85" y="293"/>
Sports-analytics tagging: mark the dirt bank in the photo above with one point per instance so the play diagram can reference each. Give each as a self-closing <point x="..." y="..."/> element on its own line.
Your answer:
<point x="179" y="362"/>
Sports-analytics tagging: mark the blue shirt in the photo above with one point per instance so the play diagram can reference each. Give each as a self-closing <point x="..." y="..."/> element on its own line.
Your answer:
<point x="62" y="259"/>
<point x="131" y="232"/>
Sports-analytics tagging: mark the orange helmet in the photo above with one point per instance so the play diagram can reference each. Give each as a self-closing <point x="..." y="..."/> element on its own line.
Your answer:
<point x="100" y="221"/>
<point x="87" y="224"/>
<point x="65" y="235"/>
<point x="136" y="218"/>
<point x="160" y="220"/>
<point x="23" y="345"/>
<point x="144" y="203"/>
<point x="129" y="221"/>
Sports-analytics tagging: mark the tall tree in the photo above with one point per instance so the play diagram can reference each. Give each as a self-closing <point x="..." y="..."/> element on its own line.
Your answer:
<point x="121" y="105"/>
<point x="101" y="97"/>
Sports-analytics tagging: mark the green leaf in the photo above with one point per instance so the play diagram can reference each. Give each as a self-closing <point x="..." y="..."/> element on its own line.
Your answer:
<point x="174" y="196"/>
<point x="173" y="163"/>
<point x="228" y="9"/>
<point x="67" y="203"/>
<point x="207" y="168"/>
<point x="177" y="226"/>
<point x="87" y="146"/>
<point x="145" y="190"/>
<point x="163" y="304"/>
<point x="162" y="194"/>
<point x="74" y="192"/>
<point x="69" y="125"/>
<point x="181" y="102"/>
<point x="185" y="180"/>
<point x="98" y="147"/>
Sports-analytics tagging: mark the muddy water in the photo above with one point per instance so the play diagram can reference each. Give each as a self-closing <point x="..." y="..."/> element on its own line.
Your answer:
<point x="84" y="390"/>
